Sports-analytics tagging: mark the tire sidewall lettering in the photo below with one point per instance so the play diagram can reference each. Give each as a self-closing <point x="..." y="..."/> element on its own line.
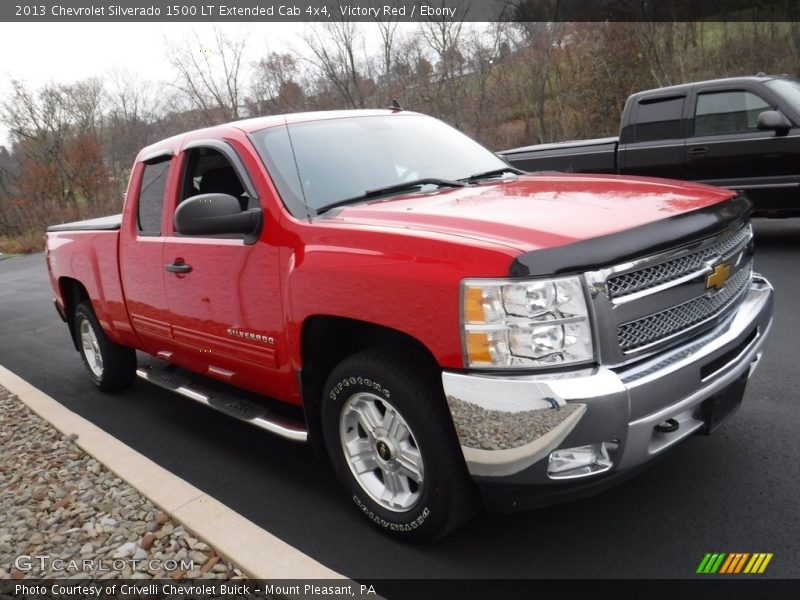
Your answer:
<point x="372" y="376"/>
<point x="392" y="525"/>
<point x="347" y="382"/>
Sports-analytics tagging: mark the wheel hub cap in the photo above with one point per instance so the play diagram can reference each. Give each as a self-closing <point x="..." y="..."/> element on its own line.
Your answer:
<point x="91" y="348"/>
<point x="382" y="452"/>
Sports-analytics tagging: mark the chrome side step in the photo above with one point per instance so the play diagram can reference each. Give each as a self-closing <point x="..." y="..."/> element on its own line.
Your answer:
<point x="239" y="408"/>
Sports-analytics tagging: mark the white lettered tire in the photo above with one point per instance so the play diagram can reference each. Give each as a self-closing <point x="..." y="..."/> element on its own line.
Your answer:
<point x="392" y="443"/>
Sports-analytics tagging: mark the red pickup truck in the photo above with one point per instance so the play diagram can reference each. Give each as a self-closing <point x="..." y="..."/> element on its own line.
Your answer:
<point x="446" y="327"/>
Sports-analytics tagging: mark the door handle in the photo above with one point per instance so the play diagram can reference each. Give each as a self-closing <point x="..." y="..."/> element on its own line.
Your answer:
<point x="179" y="267"/>
<point x="700" y="151"/>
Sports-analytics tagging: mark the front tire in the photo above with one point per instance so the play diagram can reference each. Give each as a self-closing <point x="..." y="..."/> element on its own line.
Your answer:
<point x="111" y="367"/>
<point x="392" y="444"/>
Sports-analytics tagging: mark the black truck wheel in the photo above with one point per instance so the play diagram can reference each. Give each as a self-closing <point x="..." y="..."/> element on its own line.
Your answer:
<point x="111" y="367"/>
<point x="392" y="444"/>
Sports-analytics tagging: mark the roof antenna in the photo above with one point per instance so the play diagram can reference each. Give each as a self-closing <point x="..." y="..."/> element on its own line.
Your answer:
<point x="395" y="106"/>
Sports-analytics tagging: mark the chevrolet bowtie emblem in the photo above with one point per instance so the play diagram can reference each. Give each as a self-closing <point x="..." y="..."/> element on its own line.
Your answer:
<point x="718" y="276"/>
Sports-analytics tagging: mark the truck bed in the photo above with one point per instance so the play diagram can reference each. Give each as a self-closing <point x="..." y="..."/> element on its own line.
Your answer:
<point x="585" y="156"/>
<point x="111" y="223"/>
<point x="87" y="252"/>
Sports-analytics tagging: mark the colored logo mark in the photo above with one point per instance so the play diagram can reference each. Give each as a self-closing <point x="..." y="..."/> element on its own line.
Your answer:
<point x="718" y="276"/>
<point x="734" y="562"/>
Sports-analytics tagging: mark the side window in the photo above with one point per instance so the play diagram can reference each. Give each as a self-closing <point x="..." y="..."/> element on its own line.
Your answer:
<point x="727" y="112"/>
<point x="151" y="197"/>
<point x="659" y="119"/>
<point x="209" y="171"/>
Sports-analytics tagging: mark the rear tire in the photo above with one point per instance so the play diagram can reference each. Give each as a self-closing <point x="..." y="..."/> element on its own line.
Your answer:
<point x="392" y="443"/>
<point x="111" y="367"/>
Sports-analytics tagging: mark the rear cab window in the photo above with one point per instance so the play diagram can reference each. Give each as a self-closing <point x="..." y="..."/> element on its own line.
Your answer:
<point x="151" y="197"/>
<point x="659" y="119"/>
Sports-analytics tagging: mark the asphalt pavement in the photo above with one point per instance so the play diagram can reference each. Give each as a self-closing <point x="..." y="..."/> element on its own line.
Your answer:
<point x="735" y="491"/>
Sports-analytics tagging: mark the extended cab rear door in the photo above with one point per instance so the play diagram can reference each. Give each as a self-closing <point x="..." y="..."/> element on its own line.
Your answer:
<point x="651" y="143"/>
<point x="222" y="290"/>
<point x="141" y="248"/>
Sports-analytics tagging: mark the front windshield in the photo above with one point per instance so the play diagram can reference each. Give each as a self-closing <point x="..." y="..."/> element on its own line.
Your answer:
<point x="788" y="89"/>
<point x="327" y="161"/>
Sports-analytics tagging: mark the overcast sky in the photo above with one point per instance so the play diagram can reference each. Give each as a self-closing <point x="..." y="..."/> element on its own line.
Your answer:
<point x="40" y="53"/>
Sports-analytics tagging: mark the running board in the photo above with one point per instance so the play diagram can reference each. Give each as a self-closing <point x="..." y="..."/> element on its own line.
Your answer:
<point x="239" y="408"/>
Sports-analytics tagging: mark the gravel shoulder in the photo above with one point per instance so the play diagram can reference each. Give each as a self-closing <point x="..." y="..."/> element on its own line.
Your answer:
<point x="64" y="515"/>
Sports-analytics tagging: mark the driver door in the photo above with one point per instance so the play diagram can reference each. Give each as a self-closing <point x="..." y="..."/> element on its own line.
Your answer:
<point x="222" y="292"/>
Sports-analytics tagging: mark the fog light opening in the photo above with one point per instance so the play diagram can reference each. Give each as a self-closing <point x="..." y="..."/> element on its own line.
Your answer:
<point x="583" y="461"/>
<point x="667" y="426"/>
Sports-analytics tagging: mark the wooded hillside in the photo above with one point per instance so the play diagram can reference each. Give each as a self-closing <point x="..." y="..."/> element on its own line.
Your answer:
<point x="506" y="84"/>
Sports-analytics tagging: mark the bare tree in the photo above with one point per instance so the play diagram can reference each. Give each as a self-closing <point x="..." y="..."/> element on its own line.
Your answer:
<point x="8" y="168"/>
<point x="39" y="125"/>
<point x="58" y="150"/>
<point x="443" y="37"/>
<point x="84" y="106"/>
<point x="333" y="50"/>
<point x="387" y="28"/>
<point x="133" y="108"/>
<point x="412" y="74"/>
<point x="210" y="75"/>
<point x="483" y="48"/>
<point x="277" y="85"/>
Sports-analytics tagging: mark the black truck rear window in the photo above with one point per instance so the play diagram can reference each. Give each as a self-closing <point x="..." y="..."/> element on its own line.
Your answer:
<point x="659" y="119"/>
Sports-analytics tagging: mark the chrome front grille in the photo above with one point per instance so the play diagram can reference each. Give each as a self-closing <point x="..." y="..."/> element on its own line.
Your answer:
<point x="655" y="275"/>
<point x="667" y="323"/>
<point x="650" y="303"/>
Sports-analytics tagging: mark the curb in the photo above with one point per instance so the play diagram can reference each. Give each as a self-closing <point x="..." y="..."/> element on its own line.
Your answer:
<point x="258" y="553"/>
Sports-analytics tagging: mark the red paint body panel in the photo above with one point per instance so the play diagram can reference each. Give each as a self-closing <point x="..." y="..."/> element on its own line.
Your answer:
<point x="407" y="280"/>
<point x="397" y="262"/>
<point x="540" y="211"/>
<point x="90" y="257"/>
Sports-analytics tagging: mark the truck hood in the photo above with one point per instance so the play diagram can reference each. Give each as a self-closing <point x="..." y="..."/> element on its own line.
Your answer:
<point x="538" y="211"/>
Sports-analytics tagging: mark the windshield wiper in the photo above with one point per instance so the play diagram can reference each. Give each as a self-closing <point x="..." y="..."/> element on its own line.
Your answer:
<point x="389" y="189"/>
<point x="490" y="174"/>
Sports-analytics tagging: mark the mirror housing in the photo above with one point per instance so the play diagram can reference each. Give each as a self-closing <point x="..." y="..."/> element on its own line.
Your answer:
<point x="217" y="214"/>
<point x="774" y="120"/>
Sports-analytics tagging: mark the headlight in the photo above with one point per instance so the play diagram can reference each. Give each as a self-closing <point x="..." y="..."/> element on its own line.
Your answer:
<point x="513" y="323"/>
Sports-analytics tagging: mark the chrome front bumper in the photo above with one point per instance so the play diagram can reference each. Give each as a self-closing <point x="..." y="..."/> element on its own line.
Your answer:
<point x="509" y="425"/>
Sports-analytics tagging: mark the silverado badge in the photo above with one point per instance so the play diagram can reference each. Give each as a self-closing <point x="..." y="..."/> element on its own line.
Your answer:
<point x="718" y="276"/>
<point x="251" y="336"/>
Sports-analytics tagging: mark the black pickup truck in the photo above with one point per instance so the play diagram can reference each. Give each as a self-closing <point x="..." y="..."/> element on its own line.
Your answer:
<point x="741" y="133"/>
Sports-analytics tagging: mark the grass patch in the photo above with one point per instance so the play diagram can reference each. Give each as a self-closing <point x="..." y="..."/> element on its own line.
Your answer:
<point x="31" y="241"/>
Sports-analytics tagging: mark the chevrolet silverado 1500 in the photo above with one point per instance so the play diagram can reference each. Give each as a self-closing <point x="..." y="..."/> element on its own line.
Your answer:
<point x="448" y="329"/>
<point x="741" y="133"/>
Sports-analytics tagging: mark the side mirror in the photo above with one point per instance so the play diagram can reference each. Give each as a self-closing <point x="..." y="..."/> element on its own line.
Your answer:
<point x="215" y="214"/>
<point x="775" y="121"/>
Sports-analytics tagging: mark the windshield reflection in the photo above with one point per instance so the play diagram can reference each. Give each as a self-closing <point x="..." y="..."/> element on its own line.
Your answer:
<point x="320" y="163"/>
